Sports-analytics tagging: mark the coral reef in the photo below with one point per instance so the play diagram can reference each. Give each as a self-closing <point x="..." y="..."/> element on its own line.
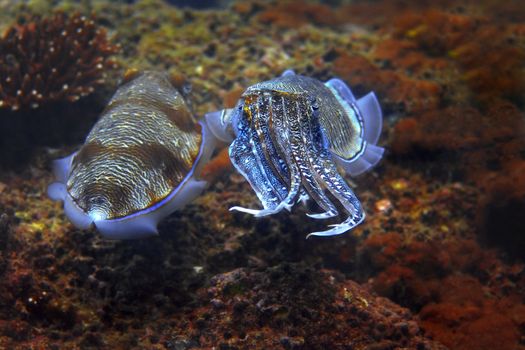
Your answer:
<point x="475" y="128"/>
<point x="58" y="58"/>
<point x="430" y="260"/>
<point x="443" y="236"/>
<point x="69" y="287"/>
<point x="483" y="147"/>
<point x="292" y="306"/>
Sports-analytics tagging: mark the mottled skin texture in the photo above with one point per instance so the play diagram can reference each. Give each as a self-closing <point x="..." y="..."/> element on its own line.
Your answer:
<point x="343" y="127"/>
<point x="126" y="166"/>
<point x="286" y="130"/>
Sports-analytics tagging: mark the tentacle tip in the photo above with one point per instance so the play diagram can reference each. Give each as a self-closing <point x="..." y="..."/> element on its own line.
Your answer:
<point x="320" y="216"/>
<point x="303" y="199"/>
<point x="266" y="212"/>
<point x="254" y="212"/>
<point x="279" y="208"/>
<point x="335" y="230"/>
<point x="288" y="207"/>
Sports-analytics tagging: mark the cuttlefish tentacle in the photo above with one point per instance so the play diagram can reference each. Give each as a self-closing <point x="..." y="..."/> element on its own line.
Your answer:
<point x="264" y="107"/>
<point x="303" y="155"/>
<point x="247" y="160"/>
<point x="281" y="146"/>
<point x="262" y="114"/>
<point x="289" y="142"/>
<point x="313" y="182"/>
<point x="325" y="168"/>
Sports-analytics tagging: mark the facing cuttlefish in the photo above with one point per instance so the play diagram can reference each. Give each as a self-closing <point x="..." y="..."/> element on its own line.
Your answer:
<point x="139" y="162"/>
<point x="290" y="134"/>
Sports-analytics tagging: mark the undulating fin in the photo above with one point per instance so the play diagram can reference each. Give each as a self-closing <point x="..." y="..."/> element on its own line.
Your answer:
<point x="62" y="167"/>
<point x="369" y="107"/>
<point x="343" y="89"/>
<point x="247" y="160"/>
<point x="144" y="224"/>
<point x="288" y="72"/>
<point x="372" y="121"/>
<point x="219" y="126"/>
<point x="57" y="191"/>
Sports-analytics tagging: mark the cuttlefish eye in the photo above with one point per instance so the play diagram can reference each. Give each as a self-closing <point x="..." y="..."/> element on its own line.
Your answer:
<point x="289" y="135"/>
<point x="140" y="162"/>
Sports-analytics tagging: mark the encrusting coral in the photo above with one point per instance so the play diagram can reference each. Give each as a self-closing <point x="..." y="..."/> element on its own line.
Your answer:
<point x="57" y="58"/>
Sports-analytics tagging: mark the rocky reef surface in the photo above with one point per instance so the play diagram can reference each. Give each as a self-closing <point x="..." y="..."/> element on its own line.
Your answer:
<point x="437" y="264"/>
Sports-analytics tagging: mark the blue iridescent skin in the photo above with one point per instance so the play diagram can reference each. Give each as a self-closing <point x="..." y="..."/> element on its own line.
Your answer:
<point x="291" y="134"/>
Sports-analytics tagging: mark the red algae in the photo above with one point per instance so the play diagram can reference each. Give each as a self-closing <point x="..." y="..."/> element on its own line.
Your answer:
<point x="293" y="14"/>
<point x="437" y="277"/>
<point x="478" y="139"/>
<point x="486" y="149"/>
<point x="231" y="97"/>
<point x="436" y="266"/>
<point x="466" y="319"/>
<point x="395" y="89"/>
<point x="482" y="49"/>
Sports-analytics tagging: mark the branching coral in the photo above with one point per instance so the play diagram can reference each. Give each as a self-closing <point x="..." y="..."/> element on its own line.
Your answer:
<point x="57" y="58"/>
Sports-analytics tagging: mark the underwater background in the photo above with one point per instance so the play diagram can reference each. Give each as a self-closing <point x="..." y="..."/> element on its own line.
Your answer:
<point x="437" y="264"/>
